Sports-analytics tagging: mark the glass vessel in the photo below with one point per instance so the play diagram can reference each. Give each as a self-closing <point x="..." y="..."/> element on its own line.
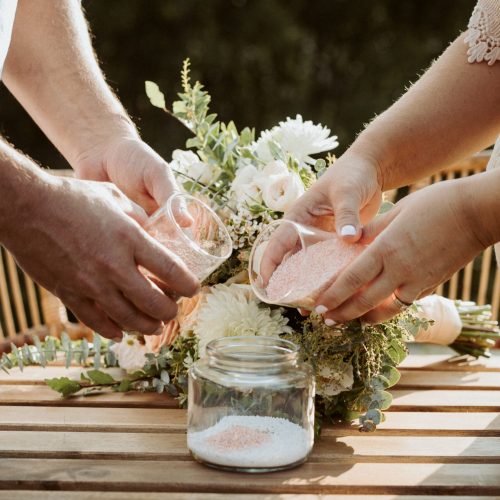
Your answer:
<point x="251" y="405"/>
<point x="292" y="264"/>
<point x="193" y="231"/>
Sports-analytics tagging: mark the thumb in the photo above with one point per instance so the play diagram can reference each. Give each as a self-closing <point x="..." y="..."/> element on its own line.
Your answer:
<point x="346" y="209"/>
<point x="372" y="230"/>
<point x="161" y="184"/>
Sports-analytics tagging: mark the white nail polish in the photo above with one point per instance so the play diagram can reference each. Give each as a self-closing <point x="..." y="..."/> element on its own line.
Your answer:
<point x="330" y="322"/>
<point x="348" y="231"/>
<point x="321" y="309"/>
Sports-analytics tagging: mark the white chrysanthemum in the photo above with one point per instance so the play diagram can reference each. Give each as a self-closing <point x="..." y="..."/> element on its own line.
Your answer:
<point x="234" y="310"/>
<point x="189" y="164"/>
<point x="331" y="381"/>
<point x="130" y="353"/>
<point x="299" y="138"/>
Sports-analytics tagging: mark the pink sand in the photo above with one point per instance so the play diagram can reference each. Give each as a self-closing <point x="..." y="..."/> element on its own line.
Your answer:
<point x="308" y="272"/>
<point x="238" y="437"/>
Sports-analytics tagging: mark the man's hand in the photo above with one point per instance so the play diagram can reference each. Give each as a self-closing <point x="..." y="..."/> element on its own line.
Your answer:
<point x="129" y="163"/>
<point x="79" y="240"/>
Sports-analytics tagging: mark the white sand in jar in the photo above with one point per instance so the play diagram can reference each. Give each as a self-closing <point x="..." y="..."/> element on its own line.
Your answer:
<point x="308" y="272"/>
<point x="251" y="442"/>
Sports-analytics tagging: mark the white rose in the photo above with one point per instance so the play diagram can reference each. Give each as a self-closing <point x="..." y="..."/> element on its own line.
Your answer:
<point x="131" y="354"/>
<point x="447" y="323"/>
<point x="244" y="187"/>
<point x="279" y="192"/>
<point x="331" y="382"/>
<point x="188" y="163"/>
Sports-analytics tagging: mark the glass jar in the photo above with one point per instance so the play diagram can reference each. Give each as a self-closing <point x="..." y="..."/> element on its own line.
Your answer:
<point x="292" y="264"/>
<point x="251" y="405"/>
<point x="193" y="232"/>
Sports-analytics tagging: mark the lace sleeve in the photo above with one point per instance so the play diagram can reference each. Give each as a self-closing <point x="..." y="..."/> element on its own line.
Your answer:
<point x="483" y="35"/>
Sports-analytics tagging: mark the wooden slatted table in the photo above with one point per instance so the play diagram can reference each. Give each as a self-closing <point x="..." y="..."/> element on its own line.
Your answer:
<point x="441" y="438"/>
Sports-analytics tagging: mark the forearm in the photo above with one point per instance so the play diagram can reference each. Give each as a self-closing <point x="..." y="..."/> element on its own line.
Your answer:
<point x="449" y="114"/>
<point x="51" y="69"/>
<point x="23" y="188"/>
<point x="480" y="194"/>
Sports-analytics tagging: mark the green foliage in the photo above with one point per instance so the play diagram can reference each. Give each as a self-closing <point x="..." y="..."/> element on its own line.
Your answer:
<point x="155" y="95"/>
<point x="374" y="352"/>
<point x="64" y="385"/>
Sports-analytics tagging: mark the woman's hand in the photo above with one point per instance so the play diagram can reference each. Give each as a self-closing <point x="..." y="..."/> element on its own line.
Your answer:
<point x="416" y="246"/>
<point x="79" y="240"/>
<point x="345" y="197"/>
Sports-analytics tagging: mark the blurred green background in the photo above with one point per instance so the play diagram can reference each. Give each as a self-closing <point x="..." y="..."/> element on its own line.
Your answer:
<point x="337" y="62"/>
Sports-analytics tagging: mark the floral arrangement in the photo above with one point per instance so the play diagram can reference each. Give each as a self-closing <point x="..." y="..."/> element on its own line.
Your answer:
<point x="251" y="182"/>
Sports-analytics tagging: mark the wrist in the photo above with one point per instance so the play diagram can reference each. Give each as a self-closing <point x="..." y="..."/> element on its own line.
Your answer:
<point x="24" y="189"/>
<point x="365" y="158"/>
<point x="481" y="205"/>
<point x="95" y="137"/>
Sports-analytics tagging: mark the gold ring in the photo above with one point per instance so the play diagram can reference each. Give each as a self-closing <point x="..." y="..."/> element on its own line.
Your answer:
<point x="401" y="305"/>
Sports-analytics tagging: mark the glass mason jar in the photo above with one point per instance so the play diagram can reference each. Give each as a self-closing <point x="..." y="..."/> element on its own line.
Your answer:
<point x="251" y="405"/>
<point x="192" y="231"/>
<point x="292" y="264"/>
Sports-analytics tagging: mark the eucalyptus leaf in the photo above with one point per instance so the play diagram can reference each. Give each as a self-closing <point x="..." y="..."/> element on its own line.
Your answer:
<point x="155" y="95"/>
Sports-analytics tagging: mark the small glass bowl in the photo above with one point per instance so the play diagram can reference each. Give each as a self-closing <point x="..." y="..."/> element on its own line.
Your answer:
<point x="192" y="231"/>
<point x="280" y="241"/>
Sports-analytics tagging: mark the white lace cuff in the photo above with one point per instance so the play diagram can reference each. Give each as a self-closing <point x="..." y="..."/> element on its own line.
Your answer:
<point x="483" y="36"/>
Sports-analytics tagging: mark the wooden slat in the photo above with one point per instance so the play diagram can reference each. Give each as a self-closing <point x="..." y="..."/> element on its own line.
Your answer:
<point x="404" y="400"/>
<point x="43" y="395"/>
<point x="444" y="400"/>
<point x="431" y="379"/>
<point x="174" y="420"/>
<point x="145" y="446"/>
<point x="5" y="301"/>
<point x="92" y="419"/>
<point x="467" y="284"/>
<point x="124" y="495"/>
<point x="311" y="478"/>
<point x="485" y="276"/>
<point x="428" y="424"/>
<point x="495" y="301"/>
<point x="36" y="375"/>
<point x="32" y="301"/>
<point x="16" y="292"/>
<point x="441" y="358"/>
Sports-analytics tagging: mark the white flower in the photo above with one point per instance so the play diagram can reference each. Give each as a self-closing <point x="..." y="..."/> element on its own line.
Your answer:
<point x="280" y="187"/>
<point x="234" y="310"/>
<point x="131" y="354"/>
<point x="244" y="188"/>
<point x="300" y="139"/>
<point x="447" y="323"/>
<point x="188" y="163"/>
<point x="334" y="380"/>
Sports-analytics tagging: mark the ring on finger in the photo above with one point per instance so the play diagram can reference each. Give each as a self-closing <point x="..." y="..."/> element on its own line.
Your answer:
<point x="400" y="304"/>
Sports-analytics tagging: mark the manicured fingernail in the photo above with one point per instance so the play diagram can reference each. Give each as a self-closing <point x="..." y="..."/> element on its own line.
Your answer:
<point x="321" y="309"/>
<point x="330" y="322"/>
<point x="348" y="231"/>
